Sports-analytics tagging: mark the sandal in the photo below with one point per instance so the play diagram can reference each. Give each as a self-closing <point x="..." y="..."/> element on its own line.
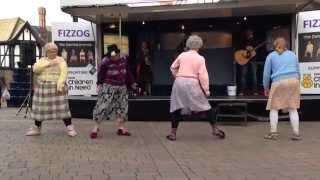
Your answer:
<point x="219" y="133"/>
<point x="171" y="137"/>
<point x="271" y="136"/>
<point x="94" y="134"/>
<point x="122" y="132"/>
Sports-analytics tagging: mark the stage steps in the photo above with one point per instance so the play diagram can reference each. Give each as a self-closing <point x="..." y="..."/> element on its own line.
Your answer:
<point x="232" y="110"/>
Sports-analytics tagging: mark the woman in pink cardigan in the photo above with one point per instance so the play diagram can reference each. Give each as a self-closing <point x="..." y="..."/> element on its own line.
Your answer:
<point x="191" y="87"/>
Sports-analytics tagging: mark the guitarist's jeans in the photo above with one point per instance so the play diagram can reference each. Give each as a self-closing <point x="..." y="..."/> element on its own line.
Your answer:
<point x="244" y="72"/>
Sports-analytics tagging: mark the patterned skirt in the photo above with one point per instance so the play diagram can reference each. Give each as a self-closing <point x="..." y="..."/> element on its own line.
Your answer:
<point x="284" y="95"/>
<point x="48" y="103"/>
<point x="112" y="103"/>
<point x="188" y="96"/>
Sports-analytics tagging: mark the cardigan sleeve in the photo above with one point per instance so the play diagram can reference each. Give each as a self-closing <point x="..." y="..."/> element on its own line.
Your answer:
<point x="175" y="66"/>
<point x="63" y="74"/>
<point x="40" y="65"/>
<point x="102" y="71"/>
<point x="267" y="73"/>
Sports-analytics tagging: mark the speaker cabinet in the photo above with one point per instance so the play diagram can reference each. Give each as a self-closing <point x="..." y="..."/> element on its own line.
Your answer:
<point x="28" y="53"/>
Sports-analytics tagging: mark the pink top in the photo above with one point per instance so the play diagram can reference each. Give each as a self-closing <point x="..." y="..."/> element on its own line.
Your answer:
<point x="191" y="64"/>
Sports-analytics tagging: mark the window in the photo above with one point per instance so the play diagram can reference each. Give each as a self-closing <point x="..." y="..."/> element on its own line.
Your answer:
<point x="5" y="62"/>
<point x="16" y="61"/>
<point x="17" y="58"/>
<point x="17" y="50"/>
<point x="4" y="56"/>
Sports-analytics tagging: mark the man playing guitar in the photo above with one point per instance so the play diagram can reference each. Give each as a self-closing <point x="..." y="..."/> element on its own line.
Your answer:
<point x="249" y="44"/>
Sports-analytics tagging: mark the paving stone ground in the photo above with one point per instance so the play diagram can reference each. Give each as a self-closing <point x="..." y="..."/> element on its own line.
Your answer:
<point x="147" y="155"/>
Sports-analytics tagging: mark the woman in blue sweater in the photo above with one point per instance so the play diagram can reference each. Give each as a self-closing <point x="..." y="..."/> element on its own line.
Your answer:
<point x="281" y="70"/>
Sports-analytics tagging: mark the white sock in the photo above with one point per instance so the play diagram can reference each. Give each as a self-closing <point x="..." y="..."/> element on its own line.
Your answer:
<point x="273" y="120"/>
<point x="294" y="119"/>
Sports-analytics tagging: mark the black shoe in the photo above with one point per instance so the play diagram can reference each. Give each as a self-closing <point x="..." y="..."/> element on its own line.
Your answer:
<point x="219" y="133"/>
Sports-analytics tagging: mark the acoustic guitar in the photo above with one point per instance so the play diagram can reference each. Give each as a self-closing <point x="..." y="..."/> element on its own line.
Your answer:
<point x="243" y="56"/>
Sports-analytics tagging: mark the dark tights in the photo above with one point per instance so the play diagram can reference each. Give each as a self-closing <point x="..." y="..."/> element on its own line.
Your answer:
<point x="66" y="122"/>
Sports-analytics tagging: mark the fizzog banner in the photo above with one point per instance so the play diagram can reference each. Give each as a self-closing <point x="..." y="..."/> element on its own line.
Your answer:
<point x="73" y="32"/>
<point x="76" y="46"/>
<point x="308" y="51"/>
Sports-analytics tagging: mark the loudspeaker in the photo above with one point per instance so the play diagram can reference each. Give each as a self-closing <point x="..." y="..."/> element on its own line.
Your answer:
<point x="28" y="53"/>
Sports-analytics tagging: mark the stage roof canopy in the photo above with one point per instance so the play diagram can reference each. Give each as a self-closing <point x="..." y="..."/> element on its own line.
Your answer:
<point x="146" y="10"/>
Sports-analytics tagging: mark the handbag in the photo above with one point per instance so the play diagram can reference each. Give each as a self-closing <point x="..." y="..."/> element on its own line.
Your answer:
<point x="5" y="94"/>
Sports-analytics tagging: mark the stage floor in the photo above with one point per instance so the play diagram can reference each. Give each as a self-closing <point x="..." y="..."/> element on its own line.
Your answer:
<point x="146" y="108"/>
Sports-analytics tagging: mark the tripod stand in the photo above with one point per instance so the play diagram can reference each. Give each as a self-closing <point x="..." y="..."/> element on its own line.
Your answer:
<point x="27" y="100"/>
